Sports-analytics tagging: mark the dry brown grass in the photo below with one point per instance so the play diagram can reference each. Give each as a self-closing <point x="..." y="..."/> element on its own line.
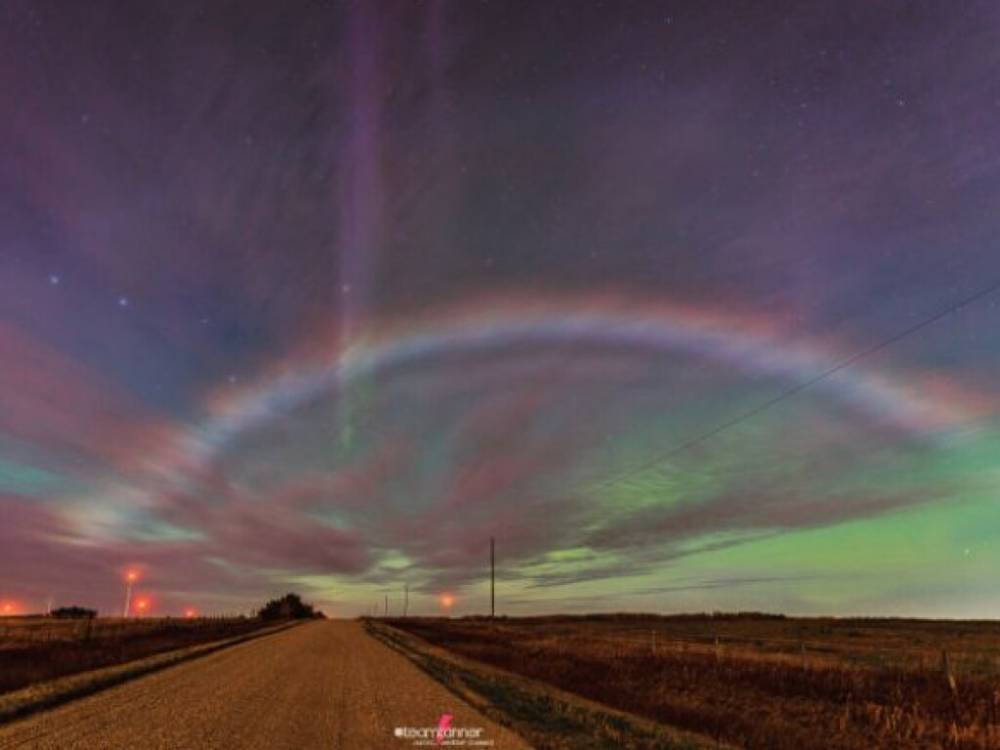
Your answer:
<point x="37" y="649"/>
<point x="769" y="683"/>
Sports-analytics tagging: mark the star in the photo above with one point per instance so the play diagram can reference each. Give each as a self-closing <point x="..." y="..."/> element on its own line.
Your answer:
<point x="123" y="301"/>
<point x="54" y="280"/>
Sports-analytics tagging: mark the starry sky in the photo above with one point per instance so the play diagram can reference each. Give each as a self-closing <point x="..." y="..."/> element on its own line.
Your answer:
<point x="674" y="299"/>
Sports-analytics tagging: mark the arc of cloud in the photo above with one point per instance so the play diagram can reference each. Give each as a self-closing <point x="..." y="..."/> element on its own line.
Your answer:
<point x="750" y="346"/>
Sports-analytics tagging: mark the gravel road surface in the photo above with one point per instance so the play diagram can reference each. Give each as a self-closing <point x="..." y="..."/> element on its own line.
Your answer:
<point x="321" y="685"/>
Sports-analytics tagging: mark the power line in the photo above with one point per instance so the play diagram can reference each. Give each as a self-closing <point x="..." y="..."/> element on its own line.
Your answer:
<point x="799" y="387"/>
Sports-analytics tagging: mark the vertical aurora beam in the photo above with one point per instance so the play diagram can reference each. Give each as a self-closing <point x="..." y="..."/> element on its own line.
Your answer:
<point x="435" y="42"/>
<point x="442" y="104"/>
<point x="360" y="190"/>
<point x="442" y="131"/>
<point x="360" y="197"/>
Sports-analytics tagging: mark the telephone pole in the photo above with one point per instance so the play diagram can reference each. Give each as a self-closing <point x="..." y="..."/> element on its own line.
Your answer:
<point x="493" y="611"/>
<point x="406" y="598"/>
<point x="385" y="612"/>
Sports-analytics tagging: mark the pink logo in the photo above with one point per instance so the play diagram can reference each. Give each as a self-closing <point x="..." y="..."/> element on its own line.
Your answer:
<point x="443" y="724"/>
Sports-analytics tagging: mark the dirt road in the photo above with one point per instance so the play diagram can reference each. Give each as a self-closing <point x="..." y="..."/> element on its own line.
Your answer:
<point x="321" y="685"/>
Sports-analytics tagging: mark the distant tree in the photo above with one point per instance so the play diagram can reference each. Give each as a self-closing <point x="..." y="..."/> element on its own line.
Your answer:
<point x="288" y="607"/>
<point x="74" y="613"/>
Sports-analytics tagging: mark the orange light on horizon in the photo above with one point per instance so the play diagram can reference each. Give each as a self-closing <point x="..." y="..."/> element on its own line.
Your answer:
<point x="8" y="608"/>
<point x="141" y="605"/>
<point x="447" y="600"/>
<point x="190" y="613"/>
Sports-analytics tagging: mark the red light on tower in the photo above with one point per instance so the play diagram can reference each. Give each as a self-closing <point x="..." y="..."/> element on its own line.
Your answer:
<point x="131" y="576"/>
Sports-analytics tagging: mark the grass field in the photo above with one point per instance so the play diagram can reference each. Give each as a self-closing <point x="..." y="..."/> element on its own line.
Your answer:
<point x="760" y="681"/>
<point x="35" y="649"/>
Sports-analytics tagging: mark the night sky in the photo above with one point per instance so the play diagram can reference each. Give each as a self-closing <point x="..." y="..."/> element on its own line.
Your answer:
<point x="319" y="296"/>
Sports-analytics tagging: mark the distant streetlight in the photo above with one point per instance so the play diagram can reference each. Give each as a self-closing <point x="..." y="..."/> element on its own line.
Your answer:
<point x="190" y="613"/>
<point x="447" y="600"/>
<point x="141" y="605"/>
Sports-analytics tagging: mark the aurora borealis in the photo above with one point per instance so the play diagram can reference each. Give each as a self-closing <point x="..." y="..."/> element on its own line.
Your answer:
<point x="319" y="296"/>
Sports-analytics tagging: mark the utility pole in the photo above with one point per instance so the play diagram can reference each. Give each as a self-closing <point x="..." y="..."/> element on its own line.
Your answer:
<point x="406" y="598"/>
<point x="385" y="612"/>
<point x="493" y="611"/>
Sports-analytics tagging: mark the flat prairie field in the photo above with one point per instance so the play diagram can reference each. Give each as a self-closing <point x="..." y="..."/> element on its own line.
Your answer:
<point x="759" y="681"/>
<point x="36" y="649"/>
